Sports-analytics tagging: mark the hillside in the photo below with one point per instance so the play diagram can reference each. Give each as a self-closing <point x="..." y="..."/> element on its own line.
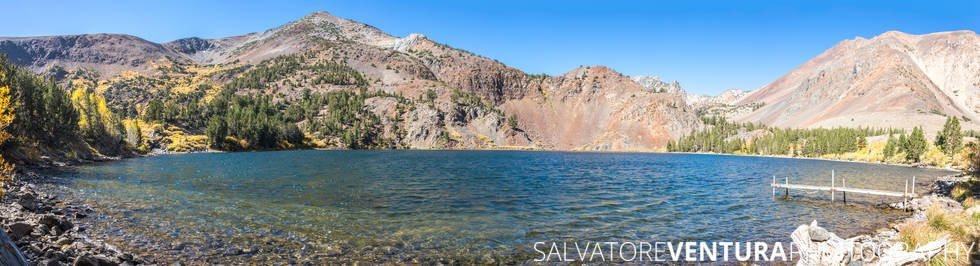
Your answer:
<point x="349" y="85"/>
<point x="105" y="53"/>
<point x="892" y="80"/>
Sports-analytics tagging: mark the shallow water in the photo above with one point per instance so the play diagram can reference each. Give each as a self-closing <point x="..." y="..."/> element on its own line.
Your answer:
<point x="456" y="206"/>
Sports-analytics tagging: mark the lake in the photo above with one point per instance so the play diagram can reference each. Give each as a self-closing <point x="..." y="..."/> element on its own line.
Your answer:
<point x="455" y="206"/>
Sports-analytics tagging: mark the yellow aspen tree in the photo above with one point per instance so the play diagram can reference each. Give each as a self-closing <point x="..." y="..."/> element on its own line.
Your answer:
<point x="6" y="117"/>
<point x="79" y="99"/>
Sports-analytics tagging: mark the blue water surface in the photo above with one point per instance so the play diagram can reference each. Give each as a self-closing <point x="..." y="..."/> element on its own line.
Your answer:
<point x="423" y="206"/>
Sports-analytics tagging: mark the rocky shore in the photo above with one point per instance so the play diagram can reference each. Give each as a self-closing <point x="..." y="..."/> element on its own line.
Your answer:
<point x="820" y="247"/>
<point x="42" y="227"/>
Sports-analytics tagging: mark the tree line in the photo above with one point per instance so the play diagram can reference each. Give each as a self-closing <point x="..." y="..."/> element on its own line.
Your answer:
<point x="38" y="114"/>
<point x="43" y="112"/>
<point x="278" y="68"/>
<point x="266" y="124"/>
<point x="722" y="136"/>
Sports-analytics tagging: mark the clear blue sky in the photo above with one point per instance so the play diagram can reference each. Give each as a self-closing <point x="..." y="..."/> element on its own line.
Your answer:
<point x="706" y="45"/>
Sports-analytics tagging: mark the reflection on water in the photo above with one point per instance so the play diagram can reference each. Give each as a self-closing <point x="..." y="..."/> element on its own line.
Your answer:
<point x="455" y="206"/>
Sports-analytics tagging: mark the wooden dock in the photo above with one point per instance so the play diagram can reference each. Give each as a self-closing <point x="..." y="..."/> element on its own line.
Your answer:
<point x="833" y="188"/>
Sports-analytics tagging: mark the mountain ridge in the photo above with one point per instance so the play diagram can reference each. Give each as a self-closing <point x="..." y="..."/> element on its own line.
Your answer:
<point x="414" y="67"/>
<point x="895" y="79"/>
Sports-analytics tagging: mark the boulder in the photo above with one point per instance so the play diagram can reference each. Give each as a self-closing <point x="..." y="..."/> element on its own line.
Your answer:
<point x="57" y="224"/>
<point x="64" y="241"/>
<point x="924" y="203"/>
<point x="90" y="260"/>
<point x="831" y="250"/>
<point x="50" y="262"/>
<point x="28" y="201"/>
<point x="818" y="234"/>
<point x="66" y="225"/>
<point x="18" y="230"/>
<point x="49" y="220"/>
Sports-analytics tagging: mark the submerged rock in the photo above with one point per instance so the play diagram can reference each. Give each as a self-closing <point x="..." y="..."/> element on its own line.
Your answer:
<point x="45" y="234"/>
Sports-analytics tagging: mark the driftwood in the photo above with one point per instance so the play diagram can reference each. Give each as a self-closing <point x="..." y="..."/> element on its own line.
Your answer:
<point x="9" y="254"/>
<point x="896" y="256"/>
<point x="819" y="247"/>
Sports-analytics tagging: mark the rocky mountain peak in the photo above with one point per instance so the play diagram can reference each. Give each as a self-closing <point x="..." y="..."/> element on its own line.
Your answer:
<point x="654" y="83"/>
<point x="327" y="26"/>
<point x="728" y="97"/>
<point x="190" y="45"/>
<point x="893" y="34"/>
<point x="591" y="71"/>
<point x="403" y="44"/>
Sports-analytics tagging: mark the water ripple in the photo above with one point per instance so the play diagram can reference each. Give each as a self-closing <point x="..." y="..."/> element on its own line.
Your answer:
<point x="431" y="205"/>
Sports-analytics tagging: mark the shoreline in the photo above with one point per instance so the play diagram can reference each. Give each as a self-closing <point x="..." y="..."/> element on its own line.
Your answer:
<point x="883" y="246"/>
<point x="824" y="159"/>
<point x="44" y="228"/>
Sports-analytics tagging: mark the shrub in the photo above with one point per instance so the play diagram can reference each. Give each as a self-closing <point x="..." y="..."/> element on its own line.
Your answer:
<point x="6" y="117"/>
<point x="936" y="157"/>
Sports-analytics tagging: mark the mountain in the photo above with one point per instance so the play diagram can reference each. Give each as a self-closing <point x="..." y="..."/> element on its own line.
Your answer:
<point x="105" y="53"/>
<point x="597" y="108"/>
<point x="423" y="94"/>
<point x="724" y="104"/>
<point x="726" y="98"/>
<point x="892" y="80"/>
<point x="654" y="83"/>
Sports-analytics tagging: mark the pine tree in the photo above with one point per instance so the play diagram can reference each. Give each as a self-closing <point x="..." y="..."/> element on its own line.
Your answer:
<point x="950" y="139"/>
<point x="153" y="111"/>
<point x="43" y="113"/>
<point x="890" y="147"/>
<point x="217" y="131"/>
<point x="915" y="145"/>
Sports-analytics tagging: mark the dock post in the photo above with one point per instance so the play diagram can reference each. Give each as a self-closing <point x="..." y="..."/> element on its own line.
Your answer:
<point x="843" y="184"/>
<point x="832" y="181"/>
<point x="913" y="187"/>
<point x="786" y="196"/>
<point x="774" y="187"/>
<point x="905" y="195"/>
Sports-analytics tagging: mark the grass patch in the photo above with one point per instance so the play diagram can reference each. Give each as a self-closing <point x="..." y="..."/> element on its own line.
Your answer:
<point x="917" y="234"/>
<point x="961" y="226"/>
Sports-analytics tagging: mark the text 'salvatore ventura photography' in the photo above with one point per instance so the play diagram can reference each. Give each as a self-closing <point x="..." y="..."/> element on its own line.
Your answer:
<point x="489" y="133"/>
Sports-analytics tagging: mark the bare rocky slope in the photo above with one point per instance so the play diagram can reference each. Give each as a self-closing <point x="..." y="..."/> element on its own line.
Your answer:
<point x="590" y="108"/>
<point x="105" y="53"/>
<point x="892" y="80"/>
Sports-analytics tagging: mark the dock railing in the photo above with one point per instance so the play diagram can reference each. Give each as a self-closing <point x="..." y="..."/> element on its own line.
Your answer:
<point x="906" y="195"/>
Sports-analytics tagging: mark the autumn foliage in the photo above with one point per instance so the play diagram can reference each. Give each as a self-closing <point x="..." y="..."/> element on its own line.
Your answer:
<point x="6" y="118"/>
